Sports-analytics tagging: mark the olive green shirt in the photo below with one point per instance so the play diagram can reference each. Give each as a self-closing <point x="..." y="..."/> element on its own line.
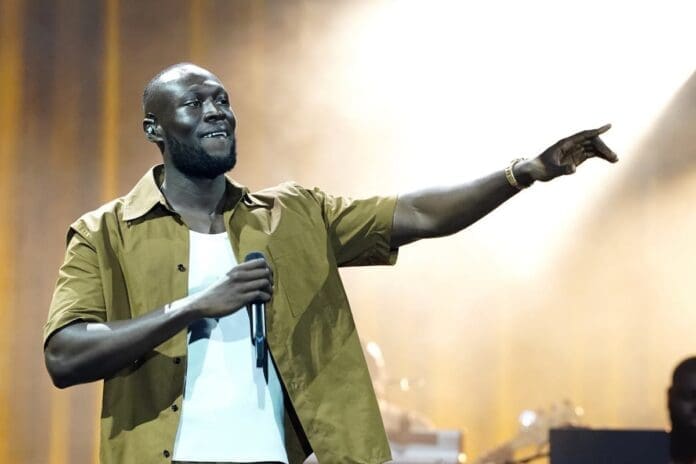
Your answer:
<point x="131" y="256"/>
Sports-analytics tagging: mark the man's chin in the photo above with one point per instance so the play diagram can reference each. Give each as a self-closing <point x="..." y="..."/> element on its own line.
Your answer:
<point x="220" y="162"/>
<point x="212" y="173"/>
<point x="199" y="162"/>
<point x="210" y="169"/>
<point x="225" y="161"/>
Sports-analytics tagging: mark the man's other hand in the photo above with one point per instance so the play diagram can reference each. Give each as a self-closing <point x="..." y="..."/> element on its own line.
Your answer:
<point x="563" y="157"/>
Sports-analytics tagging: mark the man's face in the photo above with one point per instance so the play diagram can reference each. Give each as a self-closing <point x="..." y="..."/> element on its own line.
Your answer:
<point x="193" y="112"/>
<point x="682" y="401"/>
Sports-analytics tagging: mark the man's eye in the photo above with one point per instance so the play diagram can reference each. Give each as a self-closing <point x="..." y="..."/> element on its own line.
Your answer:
<point x="193" y="103"/>
<point x="223" y="101"/>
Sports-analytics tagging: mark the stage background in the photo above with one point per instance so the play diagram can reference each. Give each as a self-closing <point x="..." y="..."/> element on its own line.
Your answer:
<point x="579" y="289"/>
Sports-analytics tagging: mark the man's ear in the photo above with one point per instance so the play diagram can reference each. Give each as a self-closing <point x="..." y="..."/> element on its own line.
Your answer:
<point x="152" y="132"/>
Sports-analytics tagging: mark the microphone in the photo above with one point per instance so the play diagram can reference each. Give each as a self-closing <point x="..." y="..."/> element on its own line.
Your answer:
<point x="257" y="311"/>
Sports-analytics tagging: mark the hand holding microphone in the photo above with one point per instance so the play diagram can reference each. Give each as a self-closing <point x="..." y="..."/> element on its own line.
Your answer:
<point x="249" y="285"/>
<point x="251" y="281"/>
<point x="257" y="314"/>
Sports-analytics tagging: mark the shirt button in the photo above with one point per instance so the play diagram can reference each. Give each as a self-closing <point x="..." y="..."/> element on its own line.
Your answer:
<point x="181" y="267"/>
<point x="175" y="407"/>
<point x="177" y="360"/>
<point x="165" y="453"/>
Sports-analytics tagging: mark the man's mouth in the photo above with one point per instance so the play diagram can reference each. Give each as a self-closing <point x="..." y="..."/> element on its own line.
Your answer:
<point x="220" y="134"/>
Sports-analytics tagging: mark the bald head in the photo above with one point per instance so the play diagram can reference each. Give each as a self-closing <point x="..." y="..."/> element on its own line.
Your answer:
<point x="172" y="73"/>
<point x="682" y="395"/>
<point x="684" y="372"/>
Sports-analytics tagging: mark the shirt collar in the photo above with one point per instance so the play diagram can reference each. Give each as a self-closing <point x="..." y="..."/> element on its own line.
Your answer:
<point x="146" y="195"/>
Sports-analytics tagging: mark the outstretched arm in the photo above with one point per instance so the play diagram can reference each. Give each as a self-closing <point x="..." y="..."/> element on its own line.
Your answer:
<point x="444" y="211"/>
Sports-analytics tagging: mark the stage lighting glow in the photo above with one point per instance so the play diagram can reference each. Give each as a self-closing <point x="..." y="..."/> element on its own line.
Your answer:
<point x="527" y="418"/>
<point x="375" y="351"/>
<point x="460" y="88"/>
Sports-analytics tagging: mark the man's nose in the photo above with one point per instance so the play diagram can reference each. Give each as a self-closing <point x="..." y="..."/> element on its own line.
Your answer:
<point x="211" y="111"/>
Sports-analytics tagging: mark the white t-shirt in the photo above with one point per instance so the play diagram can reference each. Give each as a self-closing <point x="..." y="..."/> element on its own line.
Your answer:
<point x="229" y="413"/>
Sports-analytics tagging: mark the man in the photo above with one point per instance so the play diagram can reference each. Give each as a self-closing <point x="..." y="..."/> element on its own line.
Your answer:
<point x="149" y="297"/>
<point x="681" y="401"/>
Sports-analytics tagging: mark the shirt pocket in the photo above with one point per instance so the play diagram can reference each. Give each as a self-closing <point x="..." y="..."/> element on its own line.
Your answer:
<point x="301" y="268"/>
<point x="156" y="273"/>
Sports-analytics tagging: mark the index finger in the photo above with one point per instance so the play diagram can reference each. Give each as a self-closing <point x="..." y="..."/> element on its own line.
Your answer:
<point x="587" y="134"/>
<point x="253" y="264"/>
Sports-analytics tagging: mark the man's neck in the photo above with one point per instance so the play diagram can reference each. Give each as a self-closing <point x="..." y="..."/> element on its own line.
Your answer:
<point x="192" y="194"/>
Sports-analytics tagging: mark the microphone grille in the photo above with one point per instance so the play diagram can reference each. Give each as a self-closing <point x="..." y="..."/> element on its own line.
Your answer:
<point x="254" y="255"/>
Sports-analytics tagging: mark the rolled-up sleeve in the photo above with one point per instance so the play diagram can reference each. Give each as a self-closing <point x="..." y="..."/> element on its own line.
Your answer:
<point x="78" y="294"/>
<point x="360" y="229"/>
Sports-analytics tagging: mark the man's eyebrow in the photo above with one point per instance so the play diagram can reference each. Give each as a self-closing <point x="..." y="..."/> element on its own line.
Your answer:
<point x="219" y="90"/>
<point x="187" y="96"/>
<point x="197" y="89"/>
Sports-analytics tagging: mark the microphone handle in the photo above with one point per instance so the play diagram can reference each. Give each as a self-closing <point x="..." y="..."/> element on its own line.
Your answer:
<point x="258" y="316"/>
<point x="259" y="333"/>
